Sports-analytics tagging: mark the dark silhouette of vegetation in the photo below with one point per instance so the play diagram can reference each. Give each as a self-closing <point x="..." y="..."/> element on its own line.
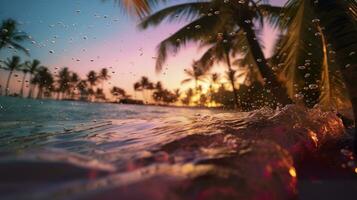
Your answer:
<point x="164" y="96"/>
<point x="25" y="70"/>
<point x="196" y="74"/>
<point x="144" y="85"/>
<point x="119" y="93"/>
<point x="233" y="17"/>
<point x="11" y="37"/>
<point x="11" y="65"/>
<point x="33" y="68"/>
<point x="44" y="81"/>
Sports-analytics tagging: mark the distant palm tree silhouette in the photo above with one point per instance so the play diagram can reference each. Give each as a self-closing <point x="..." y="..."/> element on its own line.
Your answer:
<point x="33" y="67"/>
<point x="137" y="87"/>
<point x="63" y="81"/>
<point x="83" y="89"/>
<point x="44" y="80"/>
<point x="145" y="84"/>
<point x="25" y="70"/>
<point x="103" y="76"/>
<point x="92" y="79"/>
<point x="118" y="93"/>
<point x="10" y="36"/>
<point x="189" y="94"/>
<point x="196" y="74"/>
<point x="11" y="65"/>
<point x="73" y="82"/>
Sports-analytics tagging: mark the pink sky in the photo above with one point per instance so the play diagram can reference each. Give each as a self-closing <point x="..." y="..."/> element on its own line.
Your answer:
<point x="128" y="51"/>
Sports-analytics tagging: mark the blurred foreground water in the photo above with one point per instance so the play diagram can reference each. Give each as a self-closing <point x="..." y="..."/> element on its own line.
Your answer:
<point x="77" y="150"/>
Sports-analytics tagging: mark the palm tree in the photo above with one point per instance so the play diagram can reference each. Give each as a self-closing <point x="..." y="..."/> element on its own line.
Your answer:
<point x="99" y="94"/>
<point x="33" y="67"/>
<point x="145" y="84"/>
<point x="103" y="76"/>
<point x="73" y="82"/>
<point x="10" y="36"/>
<point x="158" y="95"/>
<point x="189" y="94"/>
<point x="11" y="65"/>
<point x="83" y="89"/>
<point x="138" y="7"/>
<point x="92" y="79"/>
<point x="118" y="92"/>
<point x="137" y="87"/>
<point x="63" y="81"/>
<point x="339" y="19"/>
<point x="321" y="42"/>
<point x="231" y="16"/>
<point x="44" y="80"/>
<point x="25" y="70"/>
<point x="196" y="74"/>
<point x="214" y="79"/>
<point x="221" y="49"/>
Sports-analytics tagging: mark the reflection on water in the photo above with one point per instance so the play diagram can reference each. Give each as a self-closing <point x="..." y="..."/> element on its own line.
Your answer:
<point x="106" y="151"/>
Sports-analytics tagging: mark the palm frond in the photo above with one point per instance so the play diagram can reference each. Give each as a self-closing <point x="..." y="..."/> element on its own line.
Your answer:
<point x="186" y="11"/>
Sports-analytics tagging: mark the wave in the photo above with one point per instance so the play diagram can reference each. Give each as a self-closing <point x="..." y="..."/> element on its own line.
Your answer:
<point x="249" y="155"/>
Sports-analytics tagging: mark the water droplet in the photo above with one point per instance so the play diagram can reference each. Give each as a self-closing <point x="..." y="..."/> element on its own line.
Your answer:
<point x="313" y="86"/>
<point x="315" y="20"/>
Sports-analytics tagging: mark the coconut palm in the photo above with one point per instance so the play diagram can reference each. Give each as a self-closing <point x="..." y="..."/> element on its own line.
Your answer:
<point x="11" y="65"/>
<point x="145" y="84"/>
<point x="138" y="7"/>
<point x="137" y="87"/>
<point x="63" y="82"/>
<point x="73" y="82"/>
<point x="187" y="99"/>
<point x="10" y="36"/>
<point x="214" y="79"/>
<point x="209" y="19"/>
<point x="339" y="19"/>
<point x="118" y="92"/>
<point x="44" y="80"/>
<point x="92" y="79"/>
<point x="196" y="75"/>
<point x="103" y="76"/>
<point x="99" y="94"/>
<point x="221" y="49"/>
<point x="25" y="70"/>
<point x="82" y="87"/>
<point x="33" y="67"/>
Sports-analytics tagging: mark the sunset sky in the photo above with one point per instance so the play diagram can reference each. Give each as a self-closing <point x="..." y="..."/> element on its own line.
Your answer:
<point x="78" y="31"/>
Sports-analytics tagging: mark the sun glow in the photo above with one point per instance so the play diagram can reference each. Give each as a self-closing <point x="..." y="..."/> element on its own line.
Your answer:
<point x="292" y="172"/>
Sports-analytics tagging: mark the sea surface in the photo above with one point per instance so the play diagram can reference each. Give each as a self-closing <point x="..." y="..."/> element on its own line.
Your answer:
<point x="77" y="150"/>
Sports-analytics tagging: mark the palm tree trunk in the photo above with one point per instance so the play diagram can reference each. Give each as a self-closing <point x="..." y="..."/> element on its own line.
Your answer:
<point x="31" y="88"/>
<point x="231" y="78"/>
<point x="272" y="82"/>
<point x="341" y="32"/>
<point x="22" y="85"/>
<point x="7" y="83"/>
<point x="39" y="94"/>
<point x="144" y="96"/>
<point x="58" y="95"/>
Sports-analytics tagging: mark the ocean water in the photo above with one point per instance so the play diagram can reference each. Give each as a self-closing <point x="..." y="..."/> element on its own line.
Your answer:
<point x="78" y="150"/>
